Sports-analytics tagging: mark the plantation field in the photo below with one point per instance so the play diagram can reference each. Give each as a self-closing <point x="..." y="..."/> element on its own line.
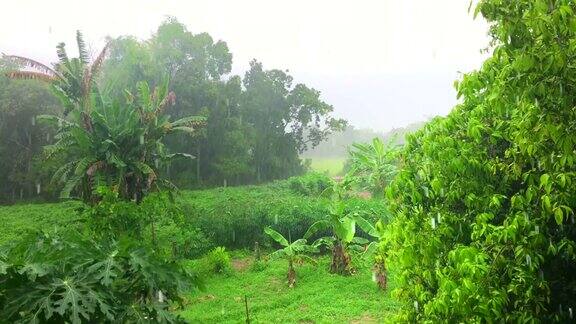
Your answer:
<point x="318" y="297"/>
<point x="332" y="166"/>
<point x="234" y="217"/>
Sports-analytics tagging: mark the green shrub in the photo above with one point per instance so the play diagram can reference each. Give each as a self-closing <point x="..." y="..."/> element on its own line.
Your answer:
<point x="484" y="205"/>
<point x="66" y="277"/>
<point x="236" y="216"/>
<point x="218" y="260"/>
<point x="156" y="222"/>
<point x="310" y="184"/>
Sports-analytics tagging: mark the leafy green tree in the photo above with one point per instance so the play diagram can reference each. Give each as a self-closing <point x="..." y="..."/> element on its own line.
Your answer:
<point x="286" y="120"/>
<point x="484" y="205"/>
<point x="293" y="252"/>
<point x="22" y="137"/>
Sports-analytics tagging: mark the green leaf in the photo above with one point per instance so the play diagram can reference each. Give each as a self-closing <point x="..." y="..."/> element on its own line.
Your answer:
<point x="276" y="236"/>
<point x="558" y="215"/>
<point x="316" y="227"/>
<point x="346" y="229"/>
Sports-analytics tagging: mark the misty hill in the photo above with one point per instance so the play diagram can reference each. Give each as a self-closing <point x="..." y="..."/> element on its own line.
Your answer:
<point x="336" y="145"/>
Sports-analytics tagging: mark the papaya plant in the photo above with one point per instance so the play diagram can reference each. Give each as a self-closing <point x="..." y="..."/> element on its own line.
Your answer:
<point x="293" y="252"/>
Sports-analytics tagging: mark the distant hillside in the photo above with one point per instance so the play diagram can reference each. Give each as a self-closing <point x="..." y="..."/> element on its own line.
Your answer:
<point x="337" y="144"/>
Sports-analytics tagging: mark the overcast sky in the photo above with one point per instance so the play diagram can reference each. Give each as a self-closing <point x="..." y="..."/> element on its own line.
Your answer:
<point x="381" y="63"/>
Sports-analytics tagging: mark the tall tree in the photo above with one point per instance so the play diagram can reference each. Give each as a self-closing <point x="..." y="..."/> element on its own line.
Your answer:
<point x="286" y="120"/>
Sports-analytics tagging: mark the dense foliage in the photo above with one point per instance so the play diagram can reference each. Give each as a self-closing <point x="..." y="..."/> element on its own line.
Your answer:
<point x="235" y="217"/>
<point x="65" y="277"/>
<point x="484" y="203"/>
<point x="374" y="164"/>
<point x="255" y="127"/>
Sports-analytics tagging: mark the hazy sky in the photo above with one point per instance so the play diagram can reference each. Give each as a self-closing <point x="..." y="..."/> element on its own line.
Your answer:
<point x="381" y="63"/>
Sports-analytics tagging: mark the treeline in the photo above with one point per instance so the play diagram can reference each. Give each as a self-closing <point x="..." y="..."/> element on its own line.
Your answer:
<point x="256" y="125"/>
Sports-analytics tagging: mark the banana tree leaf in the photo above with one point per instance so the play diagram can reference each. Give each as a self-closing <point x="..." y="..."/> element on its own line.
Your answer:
<point x="314" y="228"/>
<point x="345" y="229"/>
<point x="276" y="236"/>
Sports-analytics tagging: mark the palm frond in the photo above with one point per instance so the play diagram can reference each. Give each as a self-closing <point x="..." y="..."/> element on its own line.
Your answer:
<point x="82" y="52"/>
<point x="30" y="75"/>
<point x="61" y="52"/>
<point x="97" y="64"/>
<point x="170" y="99"/>
<point x="40" y="67"/>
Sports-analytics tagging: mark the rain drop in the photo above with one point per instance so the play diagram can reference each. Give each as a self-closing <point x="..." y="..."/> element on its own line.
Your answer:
<point x="528" y="260"/>
<point x="160" y="296"/>
<point x="233" y="236"/>
<point x="439" y="218"/>
<point x="276" y="219"/>
<point x="141" y="139"/>
<point x="156" y="163"/>
<point x="570" y="312"/>
<point x="433" y="222"/>
<point x="374" y="277"/>
<point x="416" y="305"/>
<point x="38" y="188"/>
<point x="537" y="229"/>
<point x="33" y="120"/>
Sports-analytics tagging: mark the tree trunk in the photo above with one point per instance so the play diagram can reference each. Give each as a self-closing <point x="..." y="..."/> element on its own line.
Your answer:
<point x="380" y="275"/>
<point x="340" y="260"/>
<point x="291" y="275"/>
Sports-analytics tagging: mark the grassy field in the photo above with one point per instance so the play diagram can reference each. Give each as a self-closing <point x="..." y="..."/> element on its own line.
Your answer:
<point x="332" y="166"/>
<point x="319" y="297"/>
<point x="20" y="219"/>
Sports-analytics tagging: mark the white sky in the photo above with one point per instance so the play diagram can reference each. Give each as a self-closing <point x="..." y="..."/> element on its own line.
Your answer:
<point x="381" y="63"/>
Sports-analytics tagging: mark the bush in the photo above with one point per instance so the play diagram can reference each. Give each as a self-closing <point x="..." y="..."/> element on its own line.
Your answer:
<point x="310" y="184"/>
<point x="484" y="205"/>
<point x="236" y="216"/>
<point x="218" y="260"/>
<point x="65" y="277"/>
<point x="156" y="222"/>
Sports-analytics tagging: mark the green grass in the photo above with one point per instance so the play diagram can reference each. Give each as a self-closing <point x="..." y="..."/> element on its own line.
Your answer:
<point x="332" y="166"/>
<point x="319" y="297"/>
<point x="17" y="220"/>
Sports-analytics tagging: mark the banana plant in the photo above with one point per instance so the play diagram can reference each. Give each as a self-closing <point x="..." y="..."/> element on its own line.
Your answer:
<point x="122" y="149"/>
<point x="342" y="226"/>
<point x="293" y="252"/>
<point x="376" y="251"/>
<point x="374" y="163"/>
